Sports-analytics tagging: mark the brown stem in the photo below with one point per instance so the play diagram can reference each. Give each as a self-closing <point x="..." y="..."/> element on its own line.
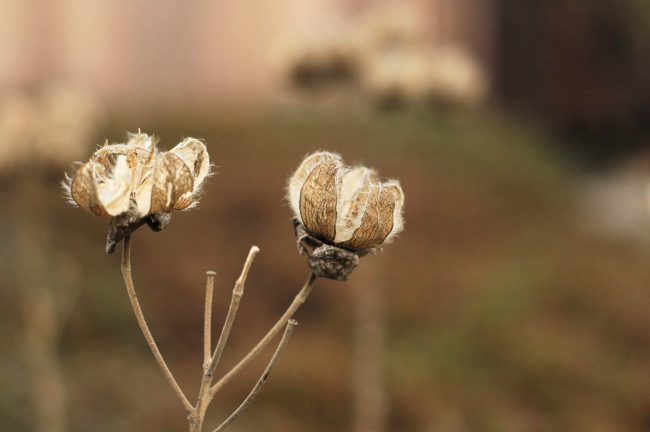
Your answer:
<point x="207" y="318"/>
<point x="237" y="293"/>
<point x="128" y="280"/>
<point x="205" y="396"/>
<point x="293" y="307"/>
<point x="265" y="376"/>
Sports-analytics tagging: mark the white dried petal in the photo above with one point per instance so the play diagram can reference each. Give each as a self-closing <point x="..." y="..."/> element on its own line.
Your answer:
<point x="351" y="202"/>
<point x="113" y="189"/>
<point x="142" y="185"/>
<point x="140" y="141"/>
<point x="377" y="221"/>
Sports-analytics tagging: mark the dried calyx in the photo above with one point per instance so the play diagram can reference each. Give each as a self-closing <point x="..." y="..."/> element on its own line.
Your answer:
<point x="134" y="183"/>
<point x="342" y="213"/>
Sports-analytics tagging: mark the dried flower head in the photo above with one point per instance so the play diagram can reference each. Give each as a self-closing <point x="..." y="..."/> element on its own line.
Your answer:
<point x="48" y="128"/>
<point x="134" y="183"/>
<point x="398" y="76"/>
<point x="457" y="80"/>
<point x="342" y="212"/>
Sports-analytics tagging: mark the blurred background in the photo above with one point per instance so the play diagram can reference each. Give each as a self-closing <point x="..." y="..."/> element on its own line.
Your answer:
<point x="516" y="299"/>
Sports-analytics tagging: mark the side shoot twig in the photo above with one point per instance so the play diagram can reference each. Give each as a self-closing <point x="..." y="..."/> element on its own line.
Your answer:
<point x="298" y="300"/>
<point x="265" y="376"/>
<point x="207" y="318"/>
<point x="196" y="414"/>
<point x="205" y="397"/>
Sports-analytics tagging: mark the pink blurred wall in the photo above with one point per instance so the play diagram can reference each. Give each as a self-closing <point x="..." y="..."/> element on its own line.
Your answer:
<point x="143" y="50"/>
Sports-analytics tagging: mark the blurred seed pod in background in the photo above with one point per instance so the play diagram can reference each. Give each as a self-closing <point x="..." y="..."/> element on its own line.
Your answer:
<point x="313" y="62"/>
<point x="457" y="80"/>
<point x="68" y="121"/>
<point x="49" y="128"/>
<point x="397" y="77"/>
<point x="391" y="25"/>
<point x="18" y="119"/>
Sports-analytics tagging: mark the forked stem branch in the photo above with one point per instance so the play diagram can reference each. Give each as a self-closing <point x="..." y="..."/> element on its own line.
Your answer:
<point x="205" y="397"/>
<point x="265" y="376"/>
<point x="298" y="300"/>
<point x="196" y="414"/>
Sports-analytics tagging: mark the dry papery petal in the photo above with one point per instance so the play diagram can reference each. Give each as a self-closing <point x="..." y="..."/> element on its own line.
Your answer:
<point x="312" y="193"/>
<point x="298" y="178"/>
<point x="195" y="155"/>
<point x="114" y="174"/>
<point x="179" y="175"/>
<point x="172" y="184"/>
<point x="82" y="189"/>
<point x="352" y="201"/>
<point x="381" y="219"/>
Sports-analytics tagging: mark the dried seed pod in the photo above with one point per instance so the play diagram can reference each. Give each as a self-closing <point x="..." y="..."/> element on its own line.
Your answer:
<point x="113" y="181"/>
<point x="179" y="175"/>
<point x="135" y="184"/>
<point x="341" y="211"/>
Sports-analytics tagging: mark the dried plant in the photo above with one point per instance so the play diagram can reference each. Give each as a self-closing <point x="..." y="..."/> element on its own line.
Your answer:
<point x="342" y="212"/>
<point x="388" y="56"/>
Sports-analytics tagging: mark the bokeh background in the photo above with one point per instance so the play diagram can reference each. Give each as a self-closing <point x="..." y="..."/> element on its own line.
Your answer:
<point x="516" y="299"/>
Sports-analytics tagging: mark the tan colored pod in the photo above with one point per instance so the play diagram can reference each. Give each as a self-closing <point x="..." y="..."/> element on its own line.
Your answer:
<point x="312" y="193"/>
<point x="345" y="207"/>
<point x="136" y="178"/>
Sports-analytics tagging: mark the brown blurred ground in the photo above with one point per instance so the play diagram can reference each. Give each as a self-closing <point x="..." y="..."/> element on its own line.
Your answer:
<point x="502" y="313"/>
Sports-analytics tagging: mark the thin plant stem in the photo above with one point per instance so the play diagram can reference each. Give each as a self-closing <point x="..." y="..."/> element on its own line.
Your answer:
<point x="128" y="281"/>
<point x="237" y="293"/>
<point x="298" y="300"/>
<point x="265" y="376"/>
<point x="207" y="319"/>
